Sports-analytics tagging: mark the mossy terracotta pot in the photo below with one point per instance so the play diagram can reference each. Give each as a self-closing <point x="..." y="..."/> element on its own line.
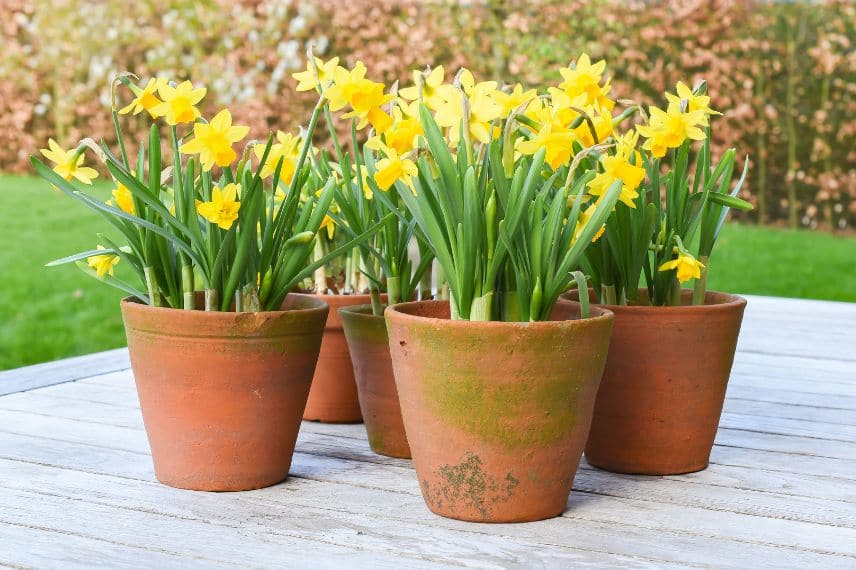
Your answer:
<point x="222" y="394"/>
<point x="662" y="392"/>
<point x="369" y="346"/>
<point x="496" y="413"/>
<point x="333" y="398"/>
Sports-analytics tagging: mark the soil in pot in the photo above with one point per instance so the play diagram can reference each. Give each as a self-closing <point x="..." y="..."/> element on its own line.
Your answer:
<point x="222" y="394"/>
<point x="664" y="385"/>
<point x="369" y="346"/>
<point x="496" y="413"/>
<point x="333" y="397"/>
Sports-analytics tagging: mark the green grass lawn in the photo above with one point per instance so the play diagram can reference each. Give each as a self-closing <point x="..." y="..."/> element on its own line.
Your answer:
<point x="50" y="313"/>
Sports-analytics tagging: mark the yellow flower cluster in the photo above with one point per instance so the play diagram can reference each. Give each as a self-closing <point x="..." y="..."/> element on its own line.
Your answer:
<point x="683" y="119"/>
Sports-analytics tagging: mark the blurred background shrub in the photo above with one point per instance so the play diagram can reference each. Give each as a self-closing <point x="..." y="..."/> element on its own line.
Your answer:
<point x="784" y="71"/>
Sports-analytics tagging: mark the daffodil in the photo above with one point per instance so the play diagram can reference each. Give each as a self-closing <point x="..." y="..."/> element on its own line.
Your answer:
<point x="694" y="102"/>
<point x="223" y="207"/>
<point x="582" y="221"/>
<point x="286" y="148"/>
<point x="620" y="167"/>
<point x="669" y="129"/>
<point x="328" y="224"/>
<point x="102" y="264"/>
<point x="514" y="99"/>
<point x="584" y="78"/>
<point x="345" y="84"/>
<point x="68" y="163"/>
<point x="213" y="141"/>
<point x="434" y="91"/>
<point x="145" y="99"/>
<point x="688" y="267"/>
<point x="307" y="80"/>
<point x="366" y="106"/>
<point x="403" y="133"/>
<point x="393" y="167"/>
<point x="478" y="99"/>
<point x="557" y="141"/>
<point x="179" y="103"/>
<point x="123" y="198"/>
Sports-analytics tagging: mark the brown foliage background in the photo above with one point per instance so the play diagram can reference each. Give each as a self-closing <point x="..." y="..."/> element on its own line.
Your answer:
<point x="785" y="72"/>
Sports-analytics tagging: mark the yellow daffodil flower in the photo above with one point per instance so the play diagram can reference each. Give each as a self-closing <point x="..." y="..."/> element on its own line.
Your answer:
<point x="179" y="103"/>
<point x="286" y="148"/>
<point x="514" y="99"/>
<point x="393" y="167"/>
<point x="619" y="167"/>
<point x="68" y="163"/>
<point x="307" y="81"/>
<point x="223" y="207"/>
<point x="329" y="224"/>
<point x="123" y="199"/>
<point x="366" y="102"/>
<point x="403" y="133"/>
<point x="584" y="78"/>
<point x="670" y="128"/>
<point x="146" y="98"/>
<point x="345" y="84"/>
<point x="694" y="102"/>
<point x="688" y="267"/>
<point x="557" y="140"/>
<point x="103" y="264"/>
<point x="585" y="216"/>
<point x="213" y="141"/>
<point x="434" y="91"/>
<point x="483" y="109"/>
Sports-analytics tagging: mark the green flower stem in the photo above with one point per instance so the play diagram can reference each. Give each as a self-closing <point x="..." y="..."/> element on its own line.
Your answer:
<point x="481" y="308"/>
<point x="393" y="290"/>
<point x="510" y="306"/>
<point x="377" y="304"/>
<point x="700" y="287"/>
<point x="151" y="285"/>
<point x="187" y="287"/>
<point x="211" y="301"/>
<point x="675" y="292"/>
<point x="607" y="294"/>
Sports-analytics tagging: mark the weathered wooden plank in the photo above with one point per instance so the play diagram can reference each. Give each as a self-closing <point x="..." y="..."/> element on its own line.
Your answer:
<point x="28" y="546"/>
<point x="347" y="502"/>
<point x="66" y="370"/>
<point x="151" y="530"/>
<point x="778" y="396"/>
<point x="760" y="409"/>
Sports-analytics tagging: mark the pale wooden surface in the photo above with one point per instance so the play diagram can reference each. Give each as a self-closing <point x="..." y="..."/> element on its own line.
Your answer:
<point x="77" y="488"/>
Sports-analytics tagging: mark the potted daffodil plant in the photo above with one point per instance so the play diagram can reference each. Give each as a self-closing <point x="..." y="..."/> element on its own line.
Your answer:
<point x="223" y="355"/>
<point x="497" y="383"/>
<point x="664" y="385"/>
<point x="362" y="276"/>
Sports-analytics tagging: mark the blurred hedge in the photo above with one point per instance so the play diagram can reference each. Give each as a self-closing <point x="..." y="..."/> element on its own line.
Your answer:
<point x="785" y="71"/>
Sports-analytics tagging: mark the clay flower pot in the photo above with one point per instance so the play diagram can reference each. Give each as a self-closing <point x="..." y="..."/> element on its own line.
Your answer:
<point x="496" y="413"/>
<point x="662" y="392"/>
<point x="333" y="397"/>
<point x="369" y="346"/>
<point x="222" y="394"/>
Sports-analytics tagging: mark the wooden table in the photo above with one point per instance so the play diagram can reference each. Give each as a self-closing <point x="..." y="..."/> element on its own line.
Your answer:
<point x="77" y="488"/>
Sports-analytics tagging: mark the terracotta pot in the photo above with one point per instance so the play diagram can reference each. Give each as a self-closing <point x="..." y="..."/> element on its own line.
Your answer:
<point x="662" y="392"/>
<point x="369" y="346"/>
<point x="333" y="398"/>
<point x="222" y="394"/>
<point x="496" y="413"/>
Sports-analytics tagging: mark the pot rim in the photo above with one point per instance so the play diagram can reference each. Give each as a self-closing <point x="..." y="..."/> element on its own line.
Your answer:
<point x="132" y="303"/>
<point x="363" y="311"/>
<point x="730" y="302"/>
<point x="394" y="311"/>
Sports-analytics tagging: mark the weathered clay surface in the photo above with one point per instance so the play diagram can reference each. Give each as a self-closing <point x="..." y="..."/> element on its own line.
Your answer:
<point x="663" y="388"/>
<point x="222" y="394"/>
<point x="369" y="347"/>
<point x="496" y="413"/>
<point x="333" y="397"/>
